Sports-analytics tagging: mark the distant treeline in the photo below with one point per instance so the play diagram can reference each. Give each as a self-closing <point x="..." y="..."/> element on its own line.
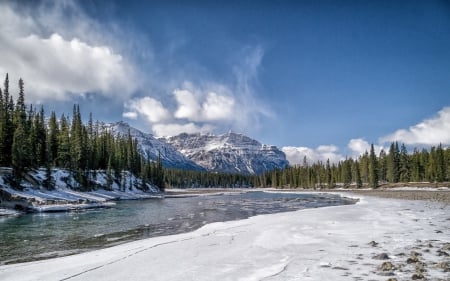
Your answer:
<point x="395" y="166"/>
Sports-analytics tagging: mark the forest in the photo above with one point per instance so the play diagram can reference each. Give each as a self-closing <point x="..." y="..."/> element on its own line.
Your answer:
<point x="393" y="166"/>
<point x="29" y="140"/>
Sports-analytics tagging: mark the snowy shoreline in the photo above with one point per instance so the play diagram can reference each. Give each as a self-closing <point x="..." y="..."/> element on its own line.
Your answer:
<point x="33" y="197"/>
<point x="330" y="243"/>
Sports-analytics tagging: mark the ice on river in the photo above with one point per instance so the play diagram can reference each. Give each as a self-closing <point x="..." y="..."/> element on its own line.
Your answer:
<point x="331" y="243"/>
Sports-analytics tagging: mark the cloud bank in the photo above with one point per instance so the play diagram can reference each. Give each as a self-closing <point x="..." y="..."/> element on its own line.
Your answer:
<point x="356" y="148"/>
<point x="296" y="155"/>
<point x="60" y="56"/>
<point x="206" y="106"/>
<point x="433" y="131"/>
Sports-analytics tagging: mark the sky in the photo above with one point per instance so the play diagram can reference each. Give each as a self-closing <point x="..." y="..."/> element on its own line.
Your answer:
<point x="322" y="79"/>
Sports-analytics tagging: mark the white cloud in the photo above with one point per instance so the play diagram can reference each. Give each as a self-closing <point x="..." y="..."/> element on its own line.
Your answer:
<point x="152" y="109"/>
<point x="130" y="114"/>
<point x="218" y="107"/>
<point x="208" y="105"/>
<point x="56" y="64"/>
<point x="360" y="146"/>
<point x="198" y="106"/>
<point x="357" y="147"/>
<point x="431" y="131"/>
<point x="188" y="105"/>
<point x="296" y="155"/>
<point x="175" y="129"/>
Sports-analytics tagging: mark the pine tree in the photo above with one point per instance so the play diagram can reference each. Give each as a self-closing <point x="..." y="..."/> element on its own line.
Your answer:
<point x="358" y="179"/>
<point x="20" y="152"/>
<point x="52" y="143"/>
<point x="63" y="158"/>
<point x="7" y="126"/>
<point x="393" y="163"/>
<point x="382" y="166"/>
<point x="373" y="168"/>
<point x="330" y="182"/>
<point x="404" y="165"/>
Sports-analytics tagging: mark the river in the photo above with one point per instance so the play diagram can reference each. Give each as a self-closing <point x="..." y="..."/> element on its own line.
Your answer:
<point x="46" y="235"/>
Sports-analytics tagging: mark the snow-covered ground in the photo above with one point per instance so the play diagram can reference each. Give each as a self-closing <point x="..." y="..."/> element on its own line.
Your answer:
<point x="332" y="243"/>
<point x="65" y="197"/>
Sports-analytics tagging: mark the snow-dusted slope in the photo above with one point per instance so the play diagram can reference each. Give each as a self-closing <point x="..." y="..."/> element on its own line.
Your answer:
<point x="67" y="193"/>
<point x="150" y="147"/>
<point x="231" y="152"/>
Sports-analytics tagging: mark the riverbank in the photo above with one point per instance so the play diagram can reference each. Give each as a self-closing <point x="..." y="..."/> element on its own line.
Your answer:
<point x="66" y="194"/>
<point x="376" y="239"/>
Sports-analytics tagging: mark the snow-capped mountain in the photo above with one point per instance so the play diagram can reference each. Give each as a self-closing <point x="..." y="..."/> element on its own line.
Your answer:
<point x="150" y="147"/>
<point x="230" y="153"/>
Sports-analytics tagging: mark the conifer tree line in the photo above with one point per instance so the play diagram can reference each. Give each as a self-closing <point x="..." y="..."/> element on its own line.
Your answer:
<point x="28" y="141"/>
<point x="176" y="178"/>
<point x="394" y="166"/>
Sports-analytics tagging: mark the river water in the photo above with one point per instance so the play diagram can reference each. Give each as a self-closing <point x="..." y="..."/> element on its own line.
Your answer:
<point x="46" y="235"/>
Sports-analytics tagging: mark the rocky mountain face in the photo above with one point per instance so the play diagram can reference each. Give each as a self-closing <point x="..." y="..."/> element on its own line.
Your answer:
<point x="230" y="153"/>
<point x="150" y="147"/>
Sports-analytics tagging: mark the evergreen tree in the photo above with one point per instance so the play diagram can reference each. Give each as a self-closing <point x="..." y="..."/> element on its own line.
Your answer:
<point x="330" y="179"/>
<point x="393" y="163"/>
<point x="382" y="166"/>
<point x="20" y="152"/>
<point x="404" y="166"/>
<point x="63" y="158"/>
<point x="358" y="179"/>
<point x="53" y="134"/>
<point x="373" y="168"/>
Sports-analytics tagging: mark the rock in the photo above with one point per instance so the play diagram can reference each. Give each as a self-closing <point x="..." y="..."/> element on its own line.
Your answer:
<point x="420" y="267"/>
<point x="446" y="247"/>
<point x="442" y="253"/>
<point x="412" y="259"/>
<point x="415" y="254"/>
<point x="339" y="268"/>
<point x="373" y="243"/>
<point x="417" y="276"/>
<point x="444" y="265"/>
<point x="386" y="266"/>
<point x="382" y="256"/>
<point x="392" y="279"/>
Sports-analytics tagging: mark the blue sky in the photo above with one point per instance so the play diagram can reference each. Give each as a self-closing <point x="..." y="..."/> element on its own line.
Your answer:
<point x="319" y="78"/>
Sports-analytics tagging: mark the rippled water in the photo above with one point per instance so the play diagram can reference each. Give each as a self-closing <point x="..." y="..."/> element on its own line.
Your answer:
<point x="45" y="235"/>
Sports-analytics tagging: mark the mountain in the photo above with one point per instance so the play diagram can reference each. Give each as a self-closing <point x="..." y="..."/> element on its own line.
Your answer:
<point x="150" y="147"/>
<point x="230" y="153"/>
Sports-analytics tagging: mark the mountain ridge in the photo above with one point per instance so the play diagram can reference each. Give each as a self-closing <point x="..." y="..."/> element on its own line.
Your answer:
<point x="229" y="152"/>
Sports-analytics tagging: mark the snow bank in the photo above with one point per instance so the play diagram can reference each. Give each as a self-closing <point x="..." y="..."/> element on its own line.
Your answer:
<point x="65" y="197"/>
<point x="8" y="212"/>
<point x="333" y="243"/>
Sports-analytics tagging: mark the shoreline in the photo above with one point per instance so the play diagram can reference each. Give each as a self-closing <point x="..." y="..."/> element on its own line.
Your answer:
<point x="330" y="243"/>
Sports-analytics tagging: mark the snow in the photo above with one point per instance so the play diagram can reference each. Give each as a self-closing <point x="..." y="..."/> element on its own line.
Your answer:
<point x="63" y="198"/>
<point x="329" y="243"/>
<point x="231" y="152"/>
<point x="8" y="212"/>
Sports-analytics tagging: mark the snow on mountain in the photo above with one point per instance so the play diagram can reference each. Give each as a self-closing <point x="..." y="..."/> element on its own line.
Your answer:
<point x="150" y="147"/>
<point x="230" y="153"/>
